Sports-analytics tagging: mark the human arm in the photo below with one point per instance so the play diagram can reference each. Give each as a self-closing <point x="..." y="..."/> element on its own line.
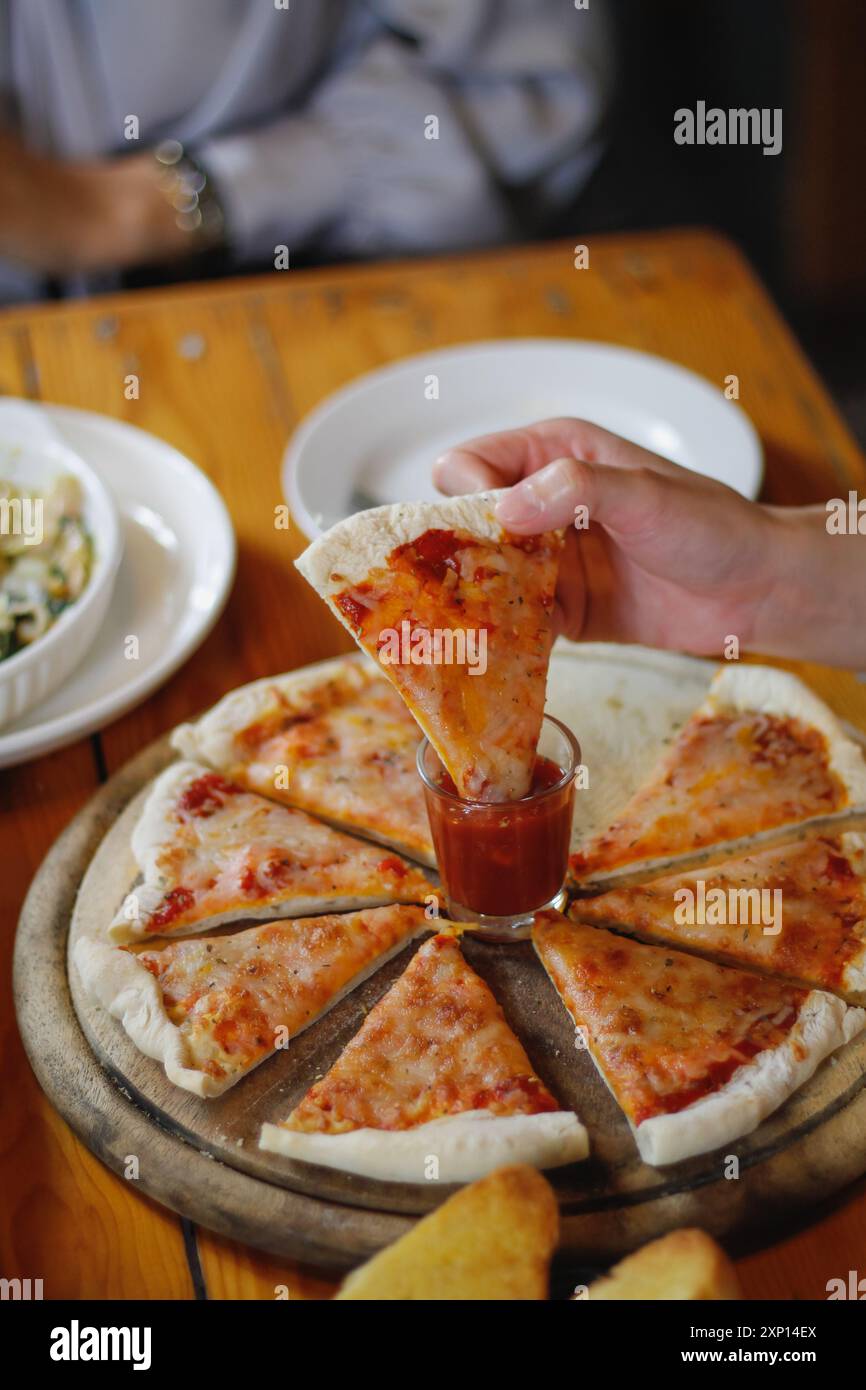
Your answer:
<point x="61" y="217"/>
<point x="671" y="558"/>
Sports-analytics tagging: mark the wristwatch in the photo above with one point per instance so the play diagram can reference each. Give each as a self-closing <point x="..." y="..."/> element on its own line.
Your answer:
<point x="191" y="193"/>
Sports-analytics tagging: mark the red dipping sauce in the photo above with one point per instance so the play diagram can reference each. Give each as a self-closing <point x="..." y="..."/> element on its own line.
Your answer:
<point x="502" y="859"/>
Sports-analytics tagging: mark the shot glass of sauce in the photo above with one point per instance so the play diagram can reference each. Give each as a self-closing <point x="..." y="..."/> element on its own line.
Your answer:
<point x="503" y="861"/>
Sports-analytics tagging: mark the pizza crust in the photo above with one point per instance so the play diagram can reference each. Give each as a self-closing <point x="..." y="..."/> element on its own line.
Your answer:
<point x="211" y="738"/>
<point x="467" y="1146"/>
<point x="756" y="1089"/>
<point x="363" y="542"/>
<point x="769" y="691"/>
<point x="130" y="993"/>
<point x="155" y="828"/>
<point x="852" y="981"/>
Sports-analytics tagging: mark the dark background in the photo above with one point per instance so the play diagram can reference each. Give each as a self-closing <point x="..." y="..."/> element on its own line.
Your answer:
<point x="800" y="216"/>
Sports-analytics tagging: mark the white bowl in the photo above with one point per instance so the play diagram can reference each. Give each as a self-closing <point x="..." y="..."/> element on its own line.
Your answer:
<point x="32" y="673"/>
<point x="375" y="440"/>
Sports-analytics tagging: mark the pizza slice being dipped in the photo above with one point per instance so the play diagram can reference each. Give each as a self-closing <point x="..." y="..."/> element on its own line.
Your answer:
<point x="761" y="752"/>
<point x="434" y="1074"/>
<point x="696" y="1054"/>
<point x="797" y="911"/>
<point x="334" y="739"/>
<point x="458" y="614"/>
<point x="210" y="853"/>
<point x="211" y="1009"/>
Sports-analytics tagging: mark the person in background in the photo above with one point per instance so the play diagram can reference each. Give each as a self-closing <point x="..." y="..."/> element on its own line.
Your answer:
<point x="146" y="134"/>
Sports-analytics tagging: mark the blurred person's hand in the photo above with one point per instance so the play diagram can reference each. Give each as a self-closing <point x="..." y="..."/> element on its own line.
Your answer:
<point x="61" y="217"/>
<point x="671" y="558"/>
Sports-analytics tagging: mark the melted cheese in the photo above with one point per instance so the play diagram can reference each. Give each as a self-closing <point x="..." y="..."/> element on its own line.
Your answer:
<point x="725" y="776"/>
<point x="823" y="911"/>
<point x="350" y="757"/>
<point x="484" y="724"/>
<point x="436" y="1044"/>
<point x="664" y="1028"/>
<point x="226" y="850"/>
<point x="235" y="998"/>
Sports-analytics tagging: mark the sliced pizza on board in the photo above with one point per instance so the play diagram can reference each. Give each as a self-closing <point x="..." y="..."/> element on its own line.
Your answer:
<point x="458" y="613"/>
<point x="696" y="1054"/>
<point x="210" y="1009"/>
<point x="761" y="752"/>
<point x="434" y="1085"/>
<point x="334" y="739"/>
<point x="211" y="852"/>
<point x="796" y="911"/>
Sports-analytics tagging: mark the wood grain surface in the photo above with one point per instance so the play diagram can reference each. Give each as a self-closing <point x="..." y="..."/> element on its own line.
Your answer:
<point x="272" y="348"/>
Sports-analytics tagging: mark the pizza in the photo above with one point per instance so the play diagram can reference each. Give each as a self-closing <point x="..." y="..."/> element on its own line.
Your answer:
<point x="696" y="1054"/>
<point x="761" y="752"/>
<point x="797" y="911"/>
<point x="333" y="739"/>
<point x="458" y="614"/>
<point x="212" y="1008"/>
<point x="210" y="852"/>
<point x="433" y="1086"/>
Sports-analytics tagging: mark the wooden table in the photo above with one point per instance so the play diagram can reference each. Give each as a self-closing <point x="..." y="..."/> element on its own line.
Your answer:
<point x="272" y="348"/>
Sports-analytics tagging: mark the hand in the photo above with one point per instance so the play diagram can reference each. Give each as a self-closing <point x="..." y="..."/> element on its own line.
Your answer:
<point x="671" y="558"/>
<point x="59" y="218"/>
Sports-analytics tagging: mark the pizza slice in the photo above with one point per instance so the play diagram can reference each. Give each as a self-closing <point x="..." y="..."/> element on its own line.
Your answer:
<point x="434" y="1085"/>
<point x="797" y="911"/>
<point x="334" y="739"/>
<point x="210" y="853"/>
<point x="210" y="1009"/>
<point x="493" y="1240"/>
<point x="696" y="1054"/>
<point x="458" y="614"/>
<point x="761" y="752"/>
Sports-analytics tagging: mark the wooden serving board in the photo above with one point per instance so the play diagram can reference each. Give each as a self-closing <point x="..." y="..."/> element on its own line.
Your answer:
<point x="201" y="1157"/>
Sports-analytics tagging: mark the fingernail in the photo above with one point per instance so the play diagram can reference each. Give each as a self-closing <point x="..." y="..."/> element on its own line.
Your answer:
<point x="455" y="472"/>
<point x="521" y="505"/>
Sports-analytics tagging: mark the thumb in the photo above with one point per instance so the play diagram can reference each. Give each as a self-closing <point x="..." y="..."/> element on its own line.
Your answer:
<point x="624" y="500"/>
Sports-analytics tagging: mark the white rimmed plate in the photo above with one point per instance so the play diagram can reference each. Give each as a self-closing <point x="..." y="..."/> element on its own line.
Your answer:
<point x="176" y="573"/>
<point x="374" y="440"/>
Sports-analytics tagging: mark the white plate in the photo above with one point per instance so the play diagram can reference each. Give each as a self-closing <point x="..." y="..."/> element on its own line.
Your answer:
<point x="374" y="440"/>
<point x="177" y="570"/>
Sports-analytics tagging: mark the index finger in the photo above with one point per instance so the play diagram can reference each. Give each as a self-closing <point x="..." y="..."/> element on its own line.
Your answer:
<point x="498" y="460"/>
